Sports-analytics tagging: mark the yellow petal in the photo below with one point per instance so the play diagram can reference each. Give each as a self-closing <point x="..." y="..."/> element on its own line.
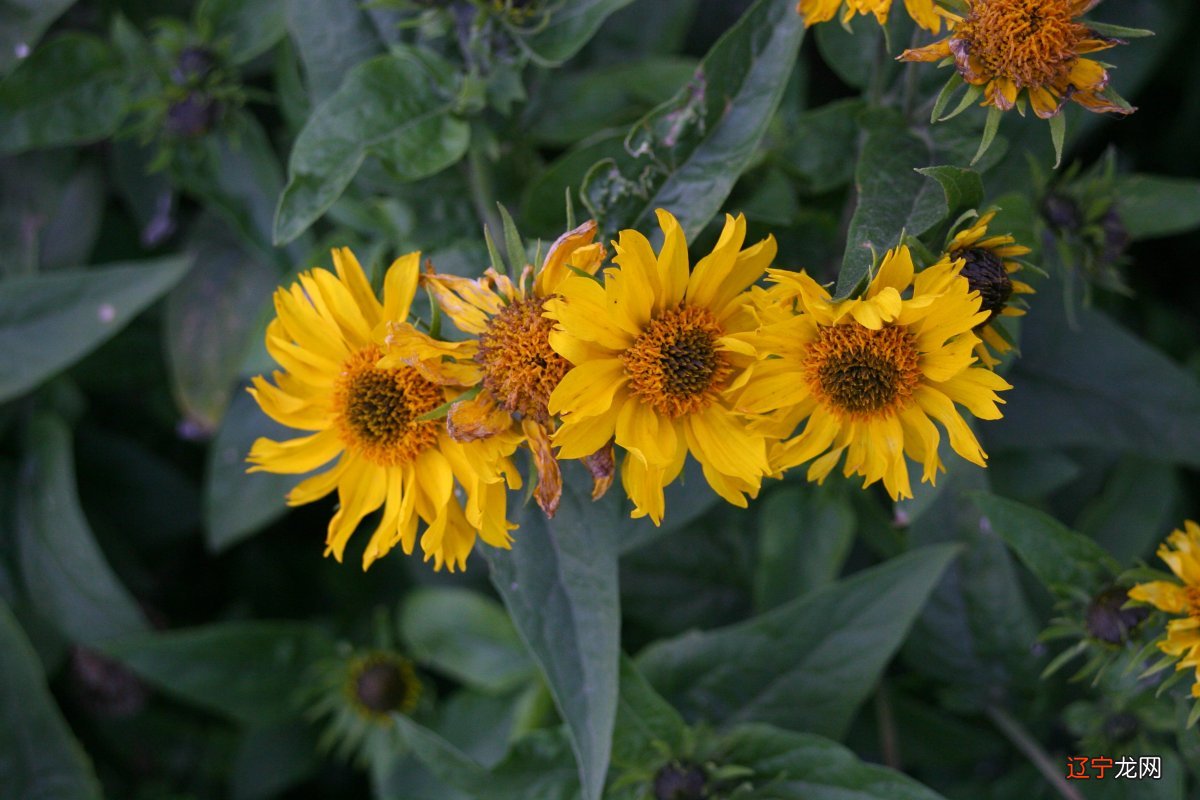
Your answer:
<point x="555" y="267"/>
<point x="588" y="389"/>
<point x="399" y="286"/>
<point x="295" y="456"/>
<point x="355" y="280"/>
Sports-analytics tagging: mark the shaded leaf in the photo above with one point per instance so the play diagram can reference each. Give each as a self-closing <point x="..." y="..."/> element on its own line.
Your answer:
<point x="248" y="671"/>
<point x="1153" y="205"/>
<point x="891" y="195"/>
<point x="22" y="23"/>
<point x="210" y="317"/>
<point x="66" y="575"/>
<point x="466" y="636"/>
<point x="806" y="665"/>
<point x="39" y="758"/>
<point x="538" y="766"/>
<point x="331" y="36"/>
<point x="686" y="154"/>
<point x="70" y="91"/>
<point x="1139" y="504"/>
<point x="804" y="538"/>
<point x="1098" y="385"/>
<point x="251" y="26"/>
<point x="570" y="26"/>
<point x="823" y="145"/>
<point x="47" y="322"/>
<point x="963" y="190"/>
<point x="647" y="725"/>
<point x="395" y="107"/>
<point x="237" y="505"/>
<point x="798" y="766"/>
<point x="977" y="629"/>
<point x="1060" y="558"/>
<point x="559" y="583"/>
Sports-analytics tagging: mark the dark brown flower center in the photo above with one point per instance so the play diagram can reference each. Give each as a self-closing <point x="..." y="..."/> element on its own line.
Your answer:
<point x="674" y="365"/>
<point x="862" y="372"/>
<point x="985" y="273"/>
<point x="379" y="409"/>
<point x="384" y="683"/>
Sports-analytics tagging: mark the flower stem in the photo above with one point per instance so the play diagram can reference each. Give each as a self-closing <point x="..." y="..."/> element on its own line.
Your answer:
<point x="889" y="741"/>
<point x="1029" y="746"/>
<point x="479" y="177"/>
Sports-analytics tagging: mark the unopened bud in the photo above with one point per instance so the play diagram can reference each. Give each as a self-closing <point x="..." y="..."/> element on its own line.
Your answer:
<point x="1108" y="621"/>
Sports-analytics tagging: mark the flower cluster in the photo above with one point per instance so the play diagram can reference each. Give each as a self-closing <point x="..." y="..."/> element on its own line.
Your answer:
<point x="655" y="356"/>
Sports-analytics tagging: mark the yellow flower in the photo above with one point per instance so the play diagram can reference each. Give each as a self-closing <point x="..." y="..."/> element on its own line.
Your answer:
<point x="328" y="337"/>
<point x="868" y="376"/>
<point x="511" y="361"/>
<point x="989" y="270"/>
<point x="653" y="366"/>
<point x="923" y="12"/>
<point x="1032" y="46"/>
<point x="1181" y="552"/>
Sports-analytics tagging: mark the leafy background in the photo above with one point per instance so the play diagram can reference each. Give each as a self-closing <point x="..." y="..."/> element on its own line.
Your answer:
<point x="163" y="616"/>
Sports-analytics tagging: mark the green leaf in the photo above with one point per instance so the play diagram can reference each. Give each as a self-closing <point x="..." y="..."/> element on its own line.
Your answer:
<point x="1060" y="558"/>
<point x="823" y="145"/>
<point x="247" y="671"/>
<point x="686" y="154"/>
<point x="64" y="571"/>
<point x="1095" y="384"/>
<point x="237" y="505"/>
<point x="70" y="91"/>
<point x="571" y="107"/>
<point x="39" y="758"/>
<point x="467" y="636"/>
<point x="48" y="322"/>
<point x="1139" y="503"/>
<point x="1058" y="135"/>
<point x="240" y="179"/>
<point x="1153" y="205"/>
<point x="22" y="23"/>
<point x="990" y="127"/>
<point x="332" y="37"/>
<point x="395" y="107"/>
<point x="51" y="209"/>
<point x="570" y="27"/>
<point x="210" y="317"/>
<point x="271" y="759"/>
<point x="806" y="665"/>
<point x="963" y="189"/>
<point x="977" y="629"/>
<point x="851" y="53"/>
<point x="799" y="766"/>
<point x="559" y="583"/>
<point x="537" y="766"/>
<point x="647" y="726"/>
<point x="892" y="195"/>
<point x="1118" y="31"/>
<point x="251" y="27"/>
<point x="804" y="538"/>
<point x="513" y="246"/>
<point x="542" y="209"/>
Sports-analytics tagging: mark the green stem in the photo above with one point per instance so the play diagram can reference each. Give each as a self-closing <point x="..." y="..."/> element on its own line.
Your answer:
<point x="1029" y="746"/>
<point x="910" y="78"/>
<point x="889" y="741"/>
<point x="875" y="79"/>
<point x="479" y="177"/>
